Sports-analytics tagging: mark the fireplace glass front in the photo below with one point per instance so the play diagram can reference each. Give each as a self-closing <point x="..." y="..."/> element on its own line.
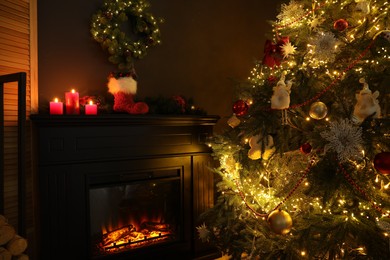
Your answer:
<point x="135" y="215"/>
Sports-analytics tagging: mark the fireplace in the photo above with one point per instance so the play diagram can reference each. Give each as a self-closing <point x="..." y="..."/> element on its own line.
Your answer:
<point x="116" y="187"/>
<point x="140" y="213"/>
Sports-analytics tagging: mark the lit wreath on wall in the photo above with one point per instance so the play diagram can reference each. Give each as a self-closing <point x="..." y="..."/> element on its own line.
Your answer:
<point x="124" y="49"/>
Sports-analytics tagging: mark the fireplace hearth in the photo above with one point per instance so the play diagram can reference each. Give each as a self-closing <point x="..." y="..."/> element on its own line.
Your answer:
<point x="117" y="187"/>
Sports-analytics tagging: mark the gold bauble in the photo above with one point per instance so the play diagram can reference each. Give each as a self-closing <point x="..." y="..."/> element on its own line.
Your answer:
<point x="280" y="221"/>
<point x="318" y="110"/>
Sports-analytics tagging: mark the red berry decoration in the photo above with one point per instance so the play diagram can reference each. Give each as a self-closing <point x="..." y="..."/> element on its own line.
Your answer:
<point x="305" y="148"/>
<point x="382" y="162"/>
<point x="240" y="108"/>
<point x="340" y="25"/>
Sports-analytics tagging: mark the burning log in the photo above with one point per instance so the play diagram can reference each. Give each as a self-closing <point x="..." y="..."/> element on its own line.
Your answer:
<point x="117" y="235"/>
<point x="154" y="226"/>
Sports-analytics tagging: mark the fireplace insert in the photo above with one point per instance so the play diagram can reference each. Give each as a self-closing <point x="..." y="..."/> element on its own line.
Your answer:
<point x="142" y="211"/>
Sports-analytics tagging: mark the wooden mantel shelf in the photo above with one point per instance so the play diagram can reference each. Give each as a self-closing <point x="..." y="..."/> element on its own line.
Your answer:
<point x="124" y="119"/>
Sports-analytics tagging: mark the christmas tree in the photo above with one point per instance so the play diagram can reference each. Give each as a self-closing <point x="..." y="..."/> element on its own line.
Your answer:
<point x="304" y="163"/>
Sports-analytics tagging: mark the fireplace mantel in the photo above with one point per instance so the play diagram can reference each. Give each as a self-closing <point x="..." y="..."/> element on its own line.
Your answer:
<point x="73" y="152"/>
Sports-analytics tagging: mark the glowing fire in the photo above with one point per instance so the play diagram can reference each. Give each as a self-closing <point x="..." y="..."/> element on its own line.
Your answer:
<point x="130" y="236"/>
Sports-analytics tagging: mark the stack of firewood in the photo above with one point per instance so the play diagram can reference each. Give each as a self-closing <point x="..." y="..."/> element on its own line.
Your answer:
<point x="12" y="246"/>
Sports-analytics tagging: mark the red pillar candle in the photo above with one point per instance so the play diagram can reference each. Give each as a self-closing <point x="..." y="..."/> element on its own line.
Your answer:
<point x="91" y="109"/>
<point x="56" y="107"/>
<point x="72" y="103"/>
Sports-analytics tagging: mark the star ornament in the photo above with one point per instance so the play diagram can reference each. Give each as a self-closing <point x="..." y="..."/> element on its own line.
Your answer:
<point x="288" y="49"/>
<point x="316" y="22"/>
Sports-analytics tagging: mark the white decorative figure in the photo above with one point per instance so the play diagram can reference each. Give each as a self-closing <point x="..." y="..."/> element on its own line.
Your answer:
<point x="281" y="96"/>
<point x="363" y="6"/>
<point x="255" y="142"/>
<point x="367" y="104"/>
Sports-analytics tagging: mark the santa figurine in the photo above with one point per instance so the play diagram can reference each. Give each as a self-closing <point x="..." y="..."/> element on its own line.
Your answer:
<point x="367" y="104"/>
<point x="124" y="88"/>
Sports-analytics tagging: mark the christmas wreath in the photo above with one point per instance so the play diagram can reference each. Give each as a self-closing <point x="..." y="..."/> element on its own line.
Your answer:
<point x="106" y="29"/>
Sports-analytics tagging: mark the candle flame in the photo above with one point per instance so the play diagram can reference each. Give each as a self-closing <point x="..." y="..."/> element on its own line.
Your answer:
<point x="56" y="100"/>
<point x="90" y="102"/>
<point x="73" y="91"/>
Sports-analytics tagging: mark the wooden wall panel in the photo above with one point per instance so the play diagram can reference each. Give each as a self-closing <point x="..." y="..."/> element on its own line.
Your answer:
<point x="18" y="53"/>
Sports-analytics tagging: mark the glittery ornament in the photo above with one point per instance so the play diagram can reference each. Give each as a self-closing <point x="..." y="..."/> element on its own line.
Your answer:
<point x="363" y="7"/>
<point x="318" y="110"/>
<point x="340" y="25"/>
<point x="305" y="148"/>
<point x="382" y="162"/>
<point x="280" y="222"/>
<point x="233" y="121"/>
<point x="240" y="107"/>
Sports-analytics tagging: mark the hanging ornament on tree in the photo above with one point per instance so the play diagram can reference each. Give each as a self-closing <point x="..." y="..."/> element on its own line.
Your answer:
<point x="340" y="25"/>
<point x="256" y="143"/>
<point x="305" y="148"/>
<point x="281" y="95"/>
<point x="280" y="221"/>
<point x="233" y="121"/>
<point x="367" y="104"/>
<point x="382" y="162"/>
<point x="362" y="6"/>
<point x="240" y="108"/>
<point x="318" y="110"/>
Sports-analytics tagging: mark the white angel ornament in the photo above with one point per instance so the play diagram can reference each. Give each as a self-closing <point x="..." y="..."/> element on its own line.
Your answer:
<point x="281" y="97"/>
<point x="367" y="104"/>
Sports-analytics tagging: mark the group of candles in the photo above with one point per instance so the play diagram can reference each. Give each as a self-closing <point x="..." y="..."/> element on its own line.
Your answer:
<point x="72" y="105"/>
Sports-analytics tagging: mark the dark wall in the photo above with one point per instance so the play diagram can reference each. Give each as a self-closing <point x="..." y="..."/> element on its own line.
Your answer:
<point x="205" y="44"/>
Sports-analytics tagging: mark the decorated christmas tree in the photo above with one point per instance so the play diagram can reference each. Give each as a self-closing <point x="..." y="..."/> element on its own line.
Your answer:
<point x="304" y="163"/>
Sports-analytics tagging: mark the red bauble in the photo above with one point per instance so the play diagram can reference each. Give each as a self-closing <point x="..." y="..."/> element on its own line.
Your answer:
<point x="382" y="162"/>
<point x="340" y="25"/>
<point x="305" y="148"/>
<point x="240" y="108"/>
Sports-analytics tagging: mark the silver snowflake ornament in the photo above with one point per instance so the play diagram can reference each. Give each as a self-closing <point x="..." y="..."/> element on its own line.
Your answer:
<point x="345" y="139"/>
<point x="291" y="14"/>
<point x="325" y="46"/>
<point x="203" y="232"/>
